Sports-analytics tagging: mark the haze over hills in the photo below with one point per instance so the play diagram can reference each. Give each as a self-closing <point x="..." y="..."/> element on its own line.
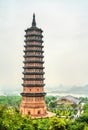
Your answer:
<point x="65" y="90"/>
<point x="54" y="90"/>
<point x="5" y="92"/>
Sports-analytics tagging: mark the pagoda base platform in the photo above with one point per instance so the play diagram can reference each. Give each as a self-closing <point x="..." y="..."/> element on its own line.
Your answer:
<point x="48" y="115"/>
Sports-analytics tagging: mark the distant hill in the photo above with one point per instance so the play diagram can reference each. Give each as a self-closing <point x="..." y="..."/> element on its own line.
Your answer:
<point x="69" y="90"/>
<point x="79" y="89"/>
<point x="10" y="92"/>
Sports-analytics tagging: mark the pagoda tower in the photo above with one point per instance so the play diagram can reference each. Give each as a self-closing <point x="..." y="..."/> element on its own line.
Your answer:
<point x="33" y="102"/>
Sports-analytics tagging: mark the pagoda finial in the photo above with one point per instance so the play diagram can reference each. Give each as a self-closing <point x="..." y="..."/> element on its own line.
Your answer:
<point x="34" y="22"/>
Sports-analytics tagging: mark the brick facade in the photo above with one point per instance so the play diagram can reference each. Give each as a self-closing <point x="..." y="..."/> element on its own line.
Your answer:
<point x="33" y="102"/>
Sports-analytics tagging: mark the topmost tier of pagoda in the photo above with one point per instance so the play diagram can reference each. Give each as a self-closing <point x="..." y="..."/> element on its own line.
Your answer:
<point x="33" y="27"/>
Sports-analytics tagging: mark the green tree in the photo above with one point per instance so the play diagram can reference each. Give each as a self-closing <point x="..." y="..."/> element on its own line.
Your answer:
<point x="11" y="119"/>
<point x="49" y="99"/>
<point x="57" y="123"/>
<point x="86" y="127"/>
<point x="52" y="104"/>
<point x="86" y="108"/>
<point x="43" y="124"/>
<point x="83" y="118"/>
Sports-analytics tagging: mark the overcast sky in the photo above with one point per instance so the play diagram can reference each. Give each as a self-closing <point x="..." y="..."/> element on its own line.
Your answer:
<point x="65" y="26"/>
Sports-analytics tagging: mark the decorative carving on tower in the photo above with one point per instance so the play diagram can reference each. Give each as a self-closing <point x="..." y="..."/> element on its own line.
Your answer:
<point x="33" y="102"/>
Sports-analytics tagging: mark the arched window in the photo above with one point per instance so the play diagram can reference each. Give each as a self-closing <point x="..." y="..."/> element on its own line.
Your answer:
<point x="29" y="113"/>
<point x="39" y="112"/>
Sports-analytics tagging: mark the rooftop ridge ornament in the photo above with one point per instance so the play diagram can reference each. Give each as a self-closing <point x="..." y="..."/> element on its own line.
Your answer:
<point x="34" y="22"/>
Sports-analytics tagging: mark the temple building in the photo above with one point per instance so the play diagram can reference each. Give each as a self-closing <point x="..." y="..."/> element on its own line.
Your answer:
<point x="33" y="101"/>
<point x="68" y="100"/>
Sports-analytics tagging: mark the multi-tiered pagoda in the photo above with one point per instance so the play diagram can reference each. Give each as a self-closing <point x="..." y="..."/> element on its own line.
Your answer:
<point x="33" y="103"/>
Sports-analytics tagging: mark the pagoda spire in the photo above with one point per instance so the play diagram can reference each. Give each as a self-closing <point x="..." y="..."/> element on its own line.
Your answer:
<point x="33" y="21"/>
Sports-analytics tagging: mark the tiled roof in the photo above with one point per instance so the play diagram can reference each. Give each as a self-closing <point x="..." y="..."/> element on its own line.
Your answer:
<point x="71" y="98"/>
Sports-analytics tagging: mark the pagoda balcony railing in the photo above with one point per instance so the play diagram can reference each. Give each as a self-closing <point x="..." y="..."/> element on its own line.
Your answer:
<point x="33" y="67"/>
<point x="33" y="85"/>
<point x="33" y="61"/>
<point x="33" y="40"/>
<point x="34" y="73"/>
<point x="29" y="35"/>
<point x="33" y="94"/>
<point x="33" y="45"/>
<point x="33" y="50"/>
<point x="33" y="79"/>
<point x="33" y="54"/>
<point x="40" y="56"/>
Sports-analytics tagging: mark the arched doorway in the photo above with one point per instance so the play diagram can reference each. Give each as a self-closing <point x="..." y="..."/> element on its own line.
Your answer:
<point x="39" y="112"/>
<point x="29" y="113"/>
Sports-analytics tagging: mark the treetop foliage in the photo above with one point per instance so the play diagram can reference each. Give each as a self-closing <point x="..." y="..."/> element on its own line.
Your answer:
<point x="11" y="118"/>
